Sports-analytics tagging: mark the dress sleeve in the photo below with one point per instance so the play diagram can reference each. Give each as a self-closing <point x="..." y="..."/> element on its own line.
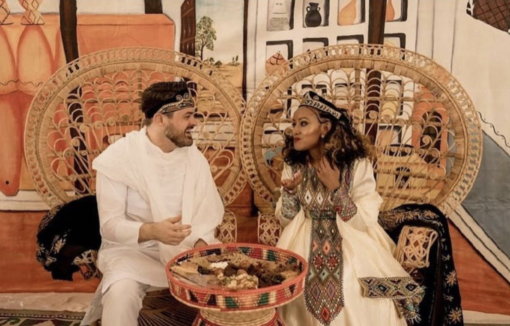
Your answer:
<point x="288" y="205"/>
<point x="344" y="205"/>
<point x="111" y="200"/>
<point x="368" y="201"/>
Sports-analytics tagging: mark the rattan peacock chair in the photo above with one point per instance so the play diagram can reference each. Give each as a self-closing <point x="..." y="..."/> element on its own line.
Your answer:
<point x="424" y="126"/>
<point x="94" y="100"/>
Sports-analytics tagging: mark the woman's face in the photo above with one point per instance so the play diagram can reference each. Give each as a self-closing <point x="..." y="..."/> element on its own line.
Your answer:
<point x="307" y="129"/>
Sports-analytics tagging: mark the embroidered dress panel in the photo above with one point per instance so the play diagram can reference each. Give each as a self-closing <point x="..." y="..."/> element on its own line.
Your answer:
<point x="324" y="295"/>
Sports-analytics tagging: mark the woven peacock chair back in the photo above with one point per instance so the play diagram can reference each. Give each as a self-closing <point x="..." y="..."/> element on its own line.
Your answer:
<point x="93" y="101"/>
<point x="423" y="124"/>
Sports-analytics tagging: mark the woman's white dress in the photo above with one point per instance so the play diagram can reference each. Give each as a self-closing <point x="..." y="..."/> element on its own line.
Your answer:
<point x="367" y="255"/>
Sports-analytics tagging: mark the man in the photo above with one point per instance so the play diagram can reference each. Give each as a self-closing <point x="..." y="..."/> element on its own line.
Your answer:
<point x="156" y="198"/>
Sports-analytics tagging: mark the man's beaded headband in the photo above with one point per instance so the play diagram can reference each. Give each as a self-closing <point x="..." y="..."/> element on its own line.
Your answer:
<point x="180" y="102"/>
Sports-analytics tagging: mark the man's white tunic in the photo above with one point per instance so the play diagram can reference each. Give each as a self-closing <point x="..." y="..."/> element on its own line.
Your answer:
<point x="138" y="183"/>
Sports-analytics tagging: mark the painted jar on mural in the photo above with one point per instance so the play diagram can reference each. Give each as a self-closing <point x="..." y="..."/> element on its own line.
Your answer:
<point x="274" y="62"/>
<point x="313" y="17"/>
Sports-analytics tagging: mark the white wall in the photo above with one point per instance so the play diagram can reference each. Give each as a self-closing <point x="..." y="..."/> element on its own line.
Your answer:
<point x="481" y="64"/>
<point x="475" y="53"/>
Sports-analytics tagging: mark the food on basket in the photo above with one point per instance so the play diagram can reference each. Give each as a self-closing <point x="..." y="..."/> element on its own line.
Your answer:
<point x="235" y="271"/>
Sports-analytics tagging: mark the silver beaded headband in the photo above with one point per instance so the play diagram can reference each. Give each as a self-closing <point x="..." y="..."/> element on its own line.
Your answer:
<point x="314" y="102"/>
<point x="183" y="101"/>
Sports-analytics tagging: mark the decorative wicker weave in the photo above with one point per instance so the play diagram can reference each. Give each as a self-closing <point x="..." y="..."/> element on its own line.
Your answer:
<point x="426" y="131"/>
<point x="224" y="307"/>
<point x="269" y="229"/>
<point x="94" y="100"/>
<point x="414" y="245"/>
<point x="227" y="230"/>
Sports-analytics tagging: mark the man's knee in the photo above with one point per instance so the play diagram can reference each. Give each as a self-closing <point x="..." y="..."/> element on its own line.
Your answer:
<point x="125" y="293"/>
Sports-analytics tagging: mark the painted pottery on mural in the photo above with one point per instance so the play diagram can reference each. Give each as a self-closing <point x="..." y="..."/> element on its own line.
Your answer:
<point x="5" y="13"/>
<point x="390" y="11"/>
<point x="274" y="62"/>
<point x="32" y="16"/>
<point x="347" y="15"/>
<point x="313" y="17"/>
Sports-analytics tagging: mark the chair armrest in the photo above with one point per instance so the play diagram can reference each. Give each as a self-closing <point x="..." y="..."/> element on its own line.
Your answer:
<point x="226" y="232"/>
<point x="413" y="247"/>
<point x="269" y="229"/>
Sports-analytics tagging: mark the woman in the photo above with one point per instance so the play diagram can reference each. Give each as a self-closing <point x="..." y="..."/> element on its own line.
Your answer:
<point x="329" y="208"/>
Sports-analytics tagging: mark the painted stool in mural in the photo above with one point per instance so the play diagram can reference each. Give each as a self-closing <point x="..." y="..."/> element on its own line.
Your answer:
<point x="424" y="127"/>
<point x="93" y="101"/>
<point x="254" y="307"/>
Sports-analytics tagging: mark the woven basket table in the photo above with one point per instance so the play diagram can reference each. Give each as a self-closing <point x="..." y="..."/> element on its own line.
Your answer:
<point x="255" y="307"/>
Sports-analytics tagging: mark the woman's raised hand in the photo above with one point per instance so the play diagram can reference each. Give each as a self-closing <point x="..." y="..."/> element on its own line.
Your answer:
<point x="291" y="184"/>
<point x="329" y="174"/>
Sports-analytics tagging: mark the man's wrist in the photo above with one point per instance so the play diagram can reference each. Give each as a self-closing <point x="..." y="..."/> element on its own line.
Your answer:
<point x="146" y="232"/>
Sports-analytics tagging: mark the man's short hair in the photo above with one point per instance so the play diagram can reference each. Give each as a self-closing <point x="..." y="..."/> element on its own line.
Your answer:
<point x="159" y="94"/>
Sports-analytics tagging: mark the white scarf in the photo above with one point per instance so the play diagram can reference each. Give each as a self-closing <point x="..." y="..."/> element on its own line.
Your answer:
<point x="128" y="161"/>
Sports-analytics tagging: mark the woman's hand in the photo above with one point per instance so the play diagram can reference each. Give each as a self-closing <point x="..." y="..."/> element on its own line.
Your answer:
<point x="291" y="184"/>
<point x="328" y="174"/>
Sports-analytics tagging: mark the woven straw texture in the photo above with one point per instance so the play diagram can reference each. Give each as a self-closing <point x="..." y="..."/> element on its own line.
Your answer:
<point x="422" y="122"/>
<point x="94" y="100"/>
<point x="413" y="248"/>
<point x="242" y="300"/>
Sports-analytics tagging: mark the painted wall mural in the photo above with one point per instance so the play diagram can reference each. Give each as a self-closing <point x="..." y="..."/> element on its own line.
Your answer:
<point x="493" y="13"/>
<point x="220" y="40"/>
<point x="31" y="46"/>
<point x="247" y="40"/>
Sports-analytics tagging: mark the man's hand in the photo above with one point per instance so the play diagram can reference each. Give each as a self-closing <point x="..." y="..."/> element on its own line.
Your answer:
<point x="200" y="243"/>
<point x="168" y="231"/>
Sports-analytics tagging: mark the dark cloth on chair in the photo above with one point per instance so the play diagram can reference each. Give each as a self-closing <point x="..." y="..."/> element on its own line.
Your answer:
<point x="68" y="232"/>
<point x="442" y="303"/>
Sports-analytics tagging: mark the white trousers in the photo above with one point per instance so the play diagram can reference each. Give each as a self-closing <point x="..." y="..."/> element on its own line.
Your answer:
<point x="122" y="303"/>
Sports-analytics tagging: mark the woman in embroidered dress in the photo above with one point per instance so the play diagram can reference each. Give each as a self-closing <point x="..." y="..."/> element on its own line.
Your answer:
<point x="329" y="208"/>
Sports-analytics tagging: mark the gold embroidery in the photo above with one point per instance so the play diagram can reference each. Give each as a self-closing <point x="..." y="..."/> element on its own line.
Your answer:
<point x="455" y="315"/>
<point x="390" y="220"/>
<point x="87" y="263"/>
<point x="448" y="298"/>
<point x="451" y="278"/>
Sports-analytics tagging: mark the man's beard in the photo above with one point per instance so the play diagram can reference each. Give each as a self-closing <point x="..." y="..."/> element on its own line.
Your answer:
<point x="179" y="139"/>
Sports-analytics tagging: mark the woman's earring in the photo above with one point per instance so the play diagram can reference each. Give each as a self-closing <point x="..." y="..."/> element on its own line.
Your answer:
<point x="323" y="136"/>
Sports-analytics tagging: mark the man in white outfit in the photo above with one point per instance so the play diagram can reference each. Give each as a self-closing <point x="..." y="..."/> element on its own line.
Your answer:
<point x="156" y="198"/>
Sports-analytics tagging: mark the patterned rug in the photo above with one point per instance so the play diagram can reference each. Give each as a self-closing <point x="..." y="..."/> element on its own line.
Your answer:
<point x="67" y="318"/>
<point x="160" y="309"/>
<point x="39" y="318"/>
